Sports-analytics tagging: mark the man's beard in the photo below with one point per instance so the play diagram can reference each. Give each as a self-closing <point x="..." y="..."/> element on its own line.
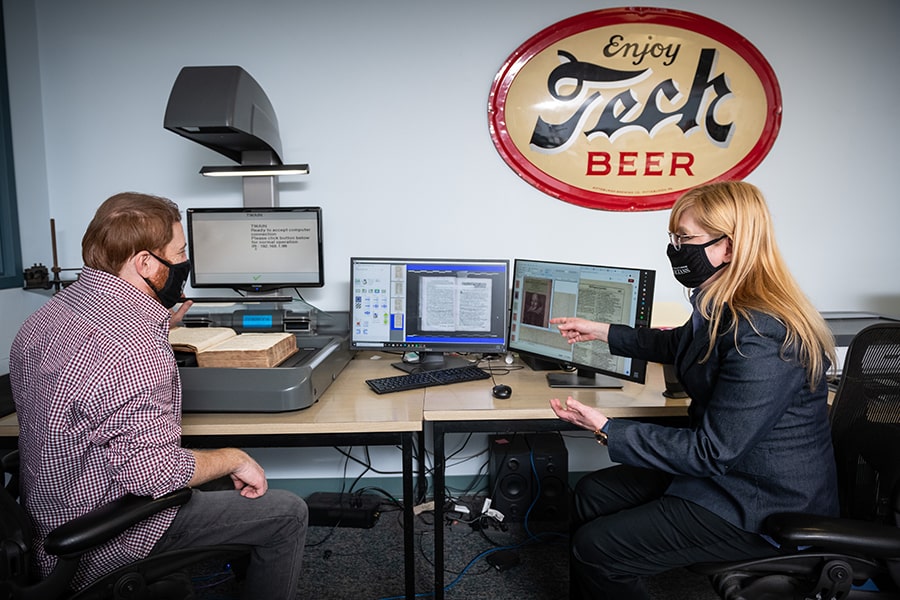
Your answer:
<point x="159" y="280"/>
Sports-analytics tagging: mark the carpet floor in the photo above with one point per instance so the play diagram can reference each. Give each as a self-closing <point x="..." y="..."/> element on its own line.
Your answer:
<point x="342" y="563"/>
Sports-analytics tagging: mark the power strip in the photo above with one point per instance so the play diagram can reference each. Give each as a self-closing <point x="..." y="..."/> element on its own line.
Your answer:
<point x="333" y="509"/>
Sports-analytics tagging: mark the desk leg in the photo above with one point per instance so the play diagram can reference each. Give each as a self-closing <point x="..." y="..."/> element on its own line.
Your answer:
<point x="422" y="482"/>
<point x="409" y="549"/>
<point x="439" y="466"/>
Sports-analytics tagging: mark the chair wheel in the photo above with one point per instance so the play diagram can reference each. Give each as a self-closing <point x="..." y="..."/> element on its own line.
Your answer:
<point x="130" y="586"/>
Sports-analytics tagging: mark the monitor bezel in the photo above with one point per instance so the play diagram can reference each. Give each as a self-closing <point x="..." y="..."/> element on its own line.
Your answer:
<point x="444" y="346"/>
<point x="547" y="362"/>
<point x="249" y="286"/>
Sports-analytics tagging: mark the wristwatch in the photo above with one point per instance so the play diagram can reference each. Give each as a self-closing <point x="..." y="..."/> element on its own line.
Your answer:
<point x="600" y="434"/>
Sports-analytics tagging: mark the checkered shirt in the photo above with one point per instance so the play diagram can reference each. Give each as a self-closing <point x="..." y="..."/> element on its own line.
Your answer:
<point x="98" y="398"/>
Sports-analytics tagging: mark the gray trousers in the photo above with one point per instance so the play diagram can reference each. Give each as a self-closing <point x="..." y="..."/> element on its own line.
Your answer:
<point x="275" y="524"/>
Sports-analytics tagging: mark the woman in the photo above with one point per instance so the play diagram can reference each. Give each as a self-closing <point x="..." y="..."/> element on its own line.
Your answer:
<point x="753" y="358"/>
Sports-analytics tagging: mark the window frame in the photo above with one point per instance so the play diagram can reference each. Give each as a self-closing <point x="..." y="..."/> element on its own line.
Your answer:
<point x="11" y="274"/>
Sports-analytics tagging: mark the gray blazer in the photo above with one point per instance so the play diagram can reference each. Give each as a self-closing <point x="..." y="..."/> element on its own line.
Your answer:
<point x="758" y="440"/>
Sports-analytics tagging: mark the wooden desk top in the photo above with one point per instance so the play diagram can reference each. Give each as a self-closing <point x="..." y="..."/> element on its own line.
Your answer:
<point x="347" y="406"/>
<point x="531" y="398"/>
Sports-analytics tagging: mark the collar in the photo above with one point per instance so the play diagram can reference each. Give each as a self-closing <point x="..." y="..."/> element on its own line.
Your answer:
<point x="113" y="285"/>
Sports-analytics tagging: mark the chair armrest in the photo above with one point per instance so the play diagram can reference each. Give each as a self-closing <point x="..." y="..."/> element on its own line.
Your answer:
<point x="10" y="462"/>
<point x="10" y="465"/>
<point x="836" y="534"/>
<point x="107" y="521"/>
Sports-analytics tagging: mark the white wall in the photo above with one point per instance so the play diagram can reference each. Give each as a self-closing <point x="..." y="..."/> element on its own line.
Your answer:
<point x="387" y="101"/>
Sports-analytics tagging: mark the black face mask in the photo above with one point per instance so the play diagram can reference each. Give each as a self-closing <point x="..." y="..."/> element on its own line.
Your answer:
<point x="171" y="291"/>
<point x="690" y="265"/>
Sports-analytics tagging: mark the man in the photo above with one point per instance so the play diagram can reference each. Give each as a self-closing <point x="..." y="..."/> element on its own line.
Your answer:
<point x="534" y="310"/>
<point x="98" y="397"/>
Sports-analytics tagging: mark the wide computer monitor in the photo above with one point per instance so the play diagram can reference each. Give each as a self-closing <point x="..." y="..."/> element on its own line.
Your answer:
<point x="430" y="308"/>
<point x="255" y="249"/>
<point x="543" y="290"/>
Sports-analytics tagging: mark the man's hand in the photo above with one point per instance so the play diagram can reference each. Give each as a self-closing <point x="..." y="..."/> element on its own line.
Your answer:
<point x="178" y="315"/>
<point x="250" y="479"/>
<point x="247" y="475"/>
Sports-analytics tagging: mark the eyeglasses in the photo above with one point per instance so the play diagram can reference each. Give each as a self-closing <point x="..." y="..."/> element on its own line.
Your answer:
<point x="678" y="239"/>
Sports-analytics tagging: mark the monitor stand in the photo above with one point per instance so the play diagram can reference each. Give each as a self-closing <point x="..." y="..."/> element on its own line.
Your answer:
<point x="583" y="379"/>
<point x="431" y="361"/>
<point x="539" y="364"/>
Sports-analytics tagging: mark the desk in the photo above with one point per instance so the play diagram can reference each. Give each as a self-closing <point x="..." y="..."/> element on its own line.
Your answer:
<point x="469" y="407"/>
<point x="348" y="413"/>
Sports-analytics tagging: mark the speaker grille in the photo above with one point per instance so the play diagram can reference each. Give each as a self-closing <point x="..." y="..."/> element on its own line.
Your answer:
<point x="529" y="471"/>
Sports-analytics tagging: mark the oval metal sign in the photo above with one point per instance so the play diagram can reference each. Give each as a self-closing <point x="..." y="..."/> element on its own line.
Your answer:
<point x="625" y="108"/>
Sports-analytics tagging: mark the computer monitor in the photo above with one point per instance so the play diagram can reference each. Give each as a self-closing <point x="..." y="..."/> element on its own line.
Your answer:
<point x="255" y="249"/>
<point x="543" y="290"/>
<point x="431" y="307"/>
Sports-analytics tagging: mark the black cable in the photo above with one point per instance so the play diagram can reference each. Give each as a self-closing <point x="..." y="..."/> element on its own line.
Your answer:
<point x="332" y="318"/>
<point x="505" y="370"/>
<point x="390" y="497"/>
<point x="491" y="371"/>
<point x="368" y="465"/>
<point x="328" y="536"/>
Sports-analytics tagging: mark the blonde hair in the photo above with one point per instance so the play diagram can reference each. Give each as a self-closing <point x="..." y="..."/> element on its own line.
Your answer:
<point x="757" y="278"/>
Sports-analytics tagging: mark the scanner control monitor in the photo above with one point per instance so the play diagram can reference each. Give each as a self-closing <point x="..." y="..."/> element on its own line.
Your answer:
<point x="429" y="307"/>
<point x="544" y="290"/>
<point x="255" y="249"/>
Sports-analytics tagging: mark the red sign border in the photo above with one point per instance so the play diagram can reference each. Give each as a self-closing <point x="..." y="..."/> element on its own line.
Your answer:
<point x="604" y="18"/>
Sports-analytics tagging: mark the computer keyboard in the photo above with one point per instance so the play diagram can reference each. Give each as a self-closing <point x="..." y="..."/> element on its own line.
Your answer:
<point x="412" y="381"/>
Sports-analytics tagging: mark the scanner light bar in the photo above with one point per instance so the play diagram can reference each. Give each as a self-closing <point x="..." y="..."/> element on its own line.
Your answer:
<point x="255" y="171"/>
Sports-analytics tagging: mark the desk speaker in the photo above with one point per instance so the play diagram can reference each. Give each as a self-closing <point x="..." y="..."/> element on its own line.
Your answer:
<point x="529" y="471"/>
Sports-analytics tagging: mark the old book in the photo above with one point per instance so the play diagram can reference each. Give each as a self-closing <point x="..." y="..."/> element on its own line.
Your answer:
<point x="197" y="339"/>
<point x="223" y="347"/>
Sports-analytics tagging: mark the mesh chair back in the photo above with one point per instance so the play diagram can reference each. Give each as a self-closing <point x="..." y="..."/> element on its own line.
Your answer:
<point x="865" y="423"/>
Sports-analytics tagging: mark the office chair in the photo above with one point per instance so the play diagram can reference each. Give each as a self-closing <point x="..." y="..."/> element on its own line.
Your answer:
<point x="833" y="558"/>
<point x="159" y="576"/>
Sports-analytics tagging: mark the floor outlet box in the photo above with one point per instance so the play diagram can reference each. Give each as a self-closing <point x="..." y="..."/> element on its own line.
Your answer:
<point x="335" y="509"/>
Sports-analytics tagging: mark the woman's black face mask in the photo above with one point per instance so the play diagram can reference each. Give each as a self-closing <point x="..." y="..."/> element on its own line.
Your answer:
<point x="690" y="265"/>
<point x="170" y="293"/>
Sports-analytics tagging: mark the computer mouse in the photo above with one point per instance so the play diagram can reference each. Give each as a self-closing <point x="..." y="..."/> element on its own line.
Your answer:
<point x="501" y="391"/>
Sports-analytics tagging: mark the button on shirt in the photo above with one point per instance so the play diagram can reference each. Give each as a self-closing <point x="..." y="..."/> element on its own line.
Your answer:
<point x="98" y="398"/>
